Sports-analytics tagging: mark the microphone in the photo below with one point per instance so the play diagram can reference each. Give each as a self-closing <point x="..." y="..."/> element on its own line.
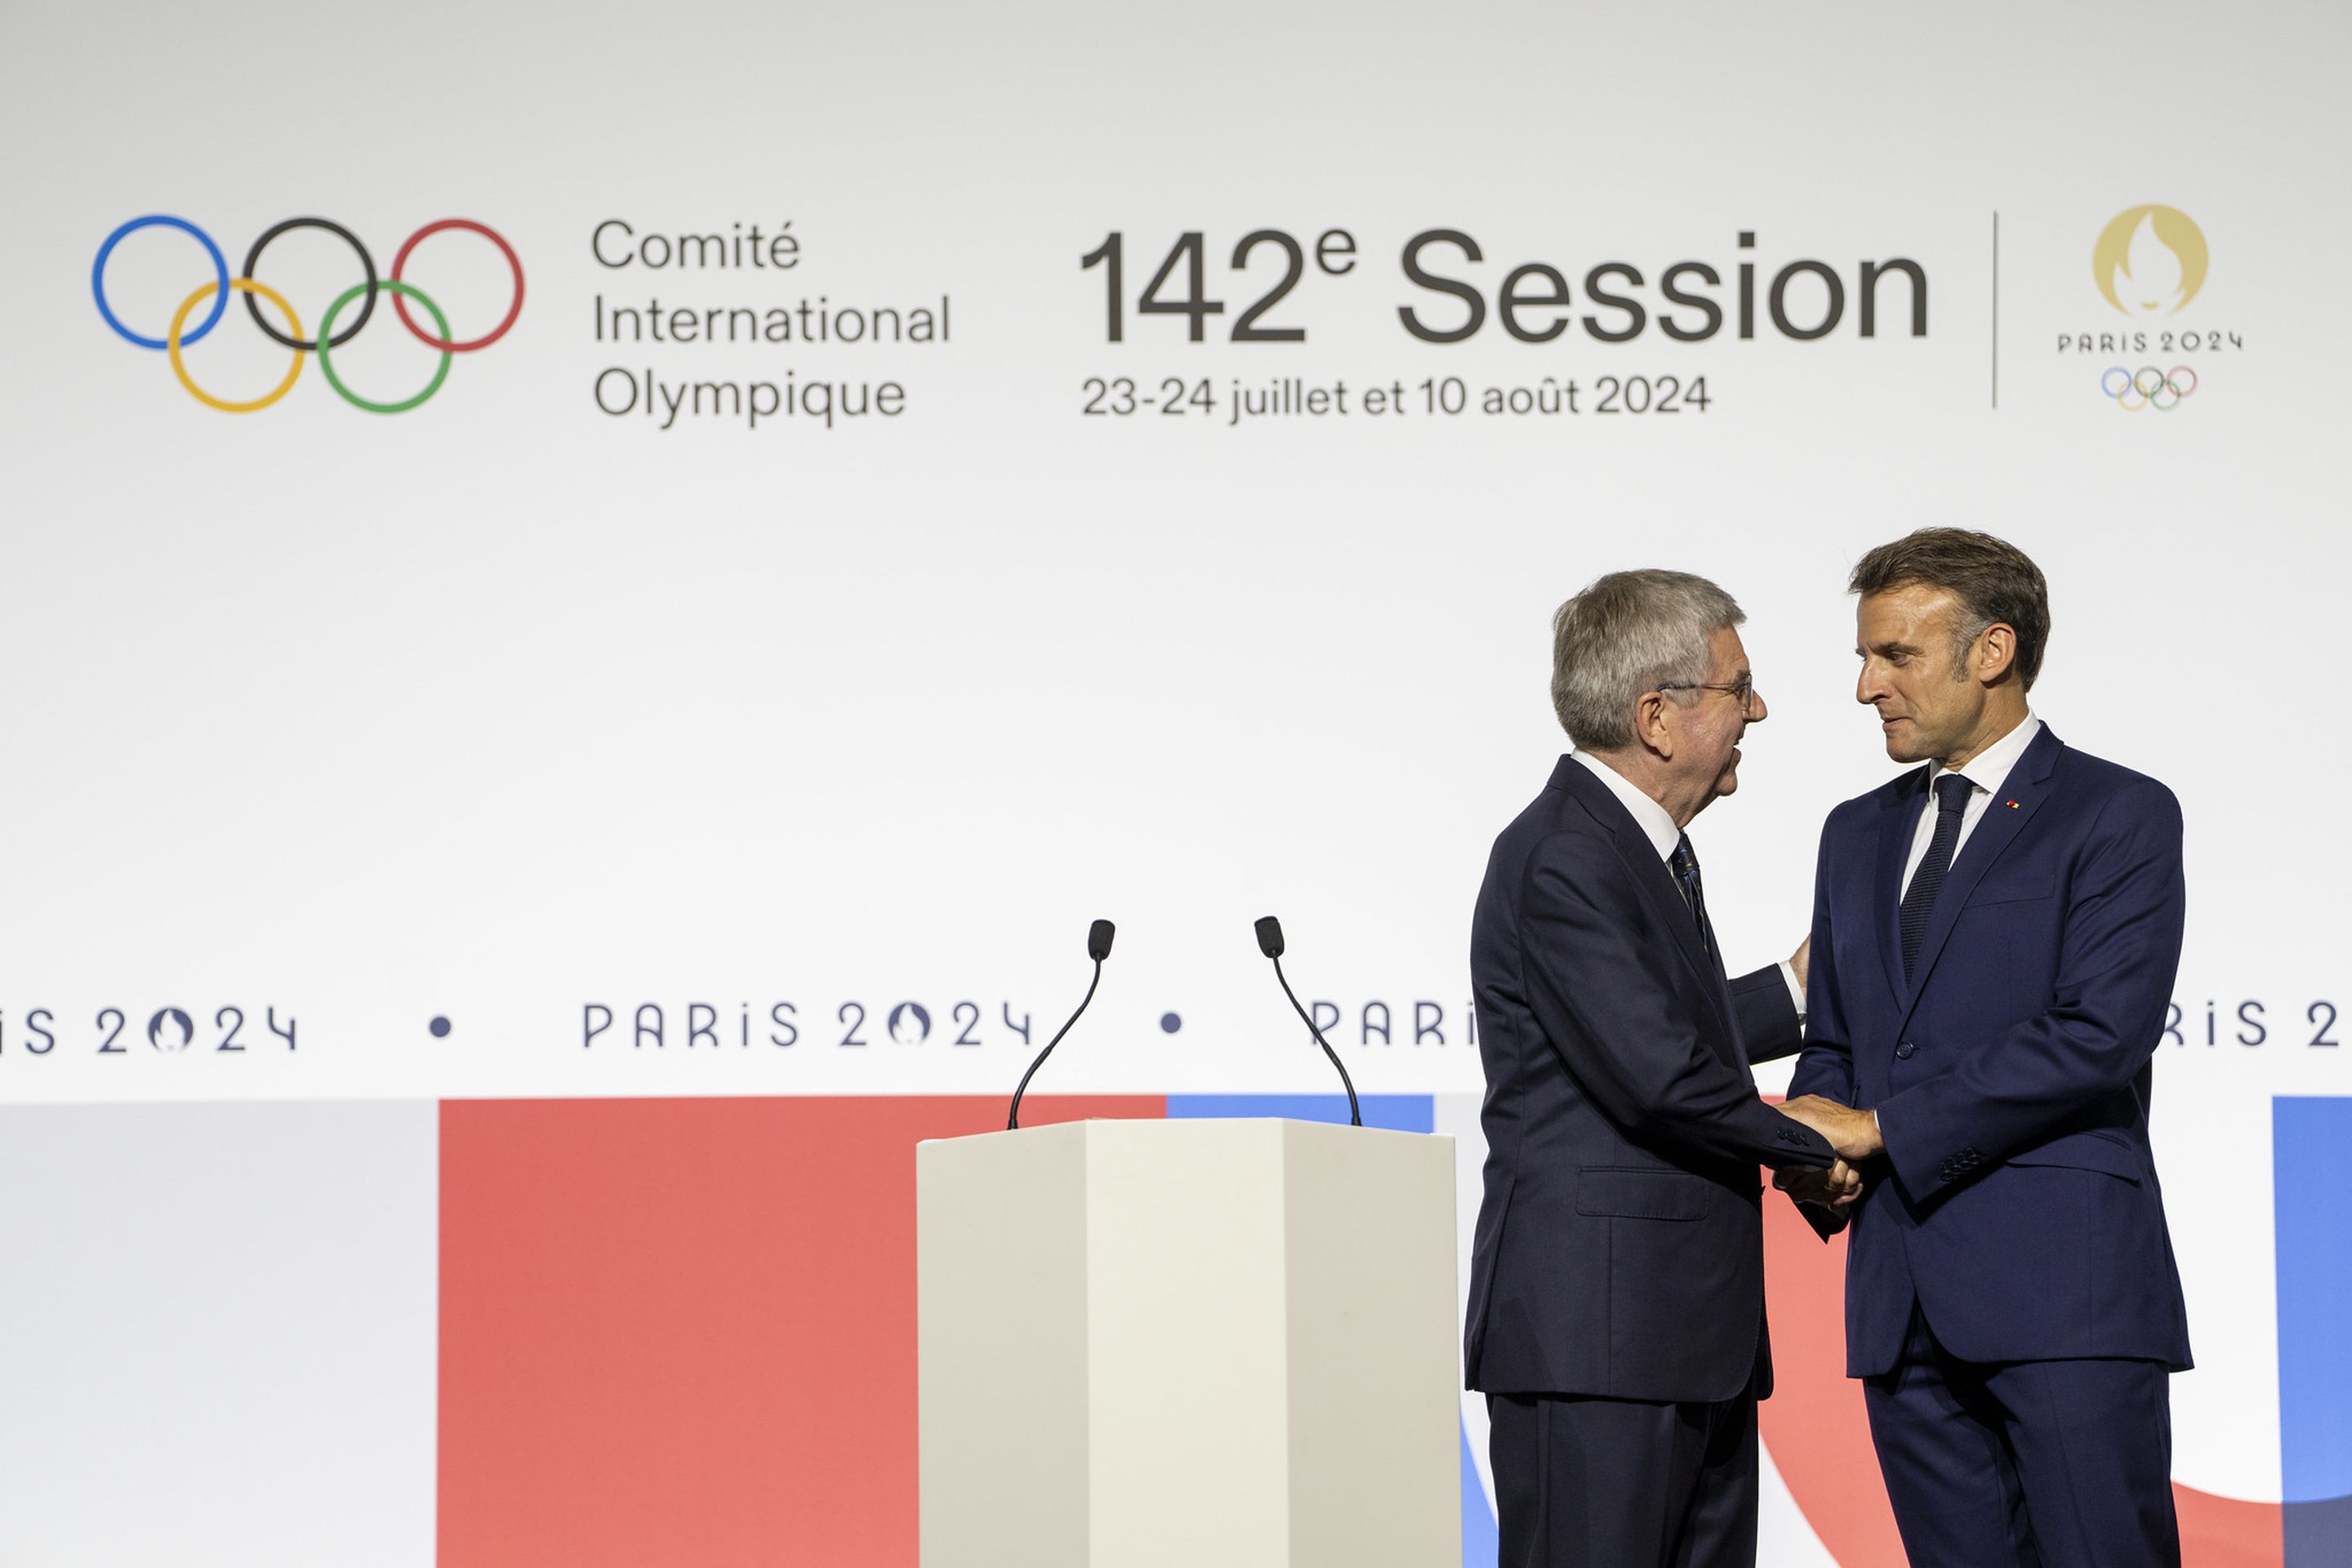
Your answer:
<point x="1098" y="937"/>
<point x="1269" y="942"/>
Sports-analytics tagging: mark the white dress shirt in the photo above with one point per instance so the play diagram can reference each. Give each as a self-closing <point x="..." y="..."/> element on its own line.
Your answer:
<point x="1658" y="826"/>
<point x="1987" y="770"/>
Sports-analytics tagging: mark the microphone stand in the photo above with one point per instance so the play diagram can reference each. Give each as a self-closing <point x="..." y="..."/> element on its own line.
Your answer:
<point x="1355" y="1114"/>
<point x="1013" y="1117"/>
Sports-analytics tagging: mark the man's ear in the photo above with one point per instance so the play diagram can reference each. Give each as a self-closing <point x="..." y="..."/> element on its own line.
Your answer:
<point x="1996" y="653"/>
<point x="1649" y="726"/>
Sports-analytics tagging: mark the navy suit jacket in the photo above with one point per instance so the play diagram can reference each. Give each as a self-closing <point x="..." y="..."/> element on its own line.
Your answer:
<point x="1620" y="1248"/>
<point x="2017" y="1204"/>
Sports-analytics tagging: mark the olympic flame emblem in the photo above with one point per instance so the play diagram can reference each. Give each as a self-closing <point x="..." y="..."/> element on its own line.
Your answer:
<point x="2150" y="260"/>
<point x="178" y="337"/>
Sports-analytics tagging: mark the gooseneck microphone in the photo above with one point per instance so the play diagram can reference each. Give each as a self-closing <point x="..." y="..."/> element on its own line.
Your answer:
<point x="1098" y="937"/>
<point x="1269" y="942"/>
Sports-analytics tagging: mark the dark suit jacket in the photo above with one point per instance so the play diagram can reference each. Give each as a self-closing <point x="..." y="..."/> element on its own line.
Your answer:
<point x="1620" y="1245"/>
<point x="2011" y="1074"/>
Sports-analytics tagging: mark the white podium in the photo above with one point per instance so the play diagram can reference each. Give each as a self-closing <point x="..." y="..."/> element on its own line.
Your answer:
<point x="1190" y="1343"/>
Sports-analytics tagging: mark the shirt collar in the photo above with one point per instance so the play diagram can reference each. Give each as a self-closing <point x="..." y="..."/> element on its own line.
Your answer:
<point x="1653" y="820"/>
<point x="1988" y="767"/>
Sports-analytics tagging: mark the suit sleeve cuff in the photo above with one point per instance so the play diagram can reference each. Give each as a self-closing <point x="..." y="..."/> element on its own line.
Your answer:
<point x="1796" y="992"/>
<point x="1922" y="1169"/>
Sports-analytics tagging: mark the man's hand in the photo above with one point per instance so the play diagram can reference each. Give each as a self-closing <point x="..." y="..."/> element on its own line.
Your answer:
<point x="1799" y="959"/>
<point x="1835" y="1188"/>
<point x="1853" y="1135"/>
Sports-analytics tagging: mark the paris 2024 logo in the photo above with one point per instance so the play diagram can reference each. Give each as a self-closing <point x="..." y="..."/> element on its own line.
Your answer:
<point x="2150" y="263"/>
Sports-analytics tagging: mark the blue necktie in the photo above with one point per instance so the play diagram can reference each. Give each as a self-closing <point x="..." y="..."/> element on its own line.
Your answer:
<point x="1952" y="794"/>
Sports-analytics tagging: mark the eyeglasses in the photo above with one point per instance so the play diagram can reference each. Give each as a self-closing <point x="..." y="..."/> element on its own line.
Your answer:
<point x="1742" y="689"/>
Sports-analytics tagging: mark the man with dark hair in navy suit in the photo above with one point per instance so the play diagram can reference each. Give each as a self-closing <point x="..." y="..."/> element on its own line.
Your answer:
<point x="1616" y="1316"/>
<point x="1994" y="941"/>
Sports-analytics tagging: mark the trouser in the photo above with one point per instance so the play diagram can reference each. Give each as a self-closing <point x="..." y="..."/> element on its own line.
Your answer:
<point x="1584" y="1482"/>
<point x="2036" y="1464"/>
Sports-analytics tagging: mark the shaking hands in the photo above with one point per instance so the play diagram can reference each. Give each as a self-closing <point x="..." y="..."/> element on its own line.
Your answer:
<point x="1835" y="1188"/>
<point x="1852" y="1135"/>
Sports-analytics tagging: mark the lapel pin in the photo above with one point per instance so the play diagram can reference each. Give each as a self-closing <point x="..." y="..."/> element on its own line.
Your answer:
<point x="2013" y="805"/>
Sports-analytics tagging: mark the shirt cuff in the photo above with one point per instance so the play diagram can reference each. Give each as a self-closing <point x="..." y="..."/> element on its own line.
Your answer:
<point x="1796" y="992"/>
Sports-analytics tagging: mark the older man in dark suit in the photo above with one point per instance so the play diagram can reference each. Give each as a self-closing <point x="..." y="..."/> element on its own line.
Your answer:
<point x="1616" y="1316"/>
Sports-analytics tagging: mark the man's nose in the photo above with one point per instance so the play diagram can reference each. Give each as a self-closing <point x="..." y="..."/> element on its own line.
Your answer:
<point x="1867" y="687"/>
<point x="1757" y="711"/>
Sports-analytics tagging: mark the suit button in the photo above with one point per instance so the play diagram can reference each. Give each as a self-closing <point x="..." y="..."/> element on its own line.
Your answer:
<point x="1904" y="1050"/>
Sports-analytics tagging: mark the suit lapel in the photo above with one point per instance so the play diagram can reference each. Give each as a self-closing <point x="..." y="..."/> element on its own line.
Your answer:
<point x="1897" y="826"/>
<point x="1656" y="882"/>
<point x="1713" y="947"/>
<point x="2013" y="804"/>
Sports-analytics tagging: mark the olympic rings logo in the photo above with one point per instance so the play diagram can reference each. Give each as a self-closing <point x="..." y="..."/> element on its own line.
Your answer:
<point x="2147" y="387"/>
<point x="178" y="336"/>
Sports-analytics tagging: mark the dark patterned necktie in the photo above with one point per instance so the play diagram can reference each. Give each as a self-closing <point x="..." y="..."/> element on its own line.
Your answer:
<point x="1686" y="869"/>
<point x="1952" y="794"/>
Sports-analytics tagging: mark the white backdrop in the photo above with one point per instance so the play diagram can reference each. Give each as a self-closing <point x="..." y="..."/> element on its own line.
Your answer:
<point x="508" y="708"/>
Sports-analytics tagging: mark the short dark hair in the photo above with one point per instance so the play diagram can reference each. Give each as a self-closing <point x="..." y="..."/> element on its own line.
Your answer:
<point x="1994" y="580"/>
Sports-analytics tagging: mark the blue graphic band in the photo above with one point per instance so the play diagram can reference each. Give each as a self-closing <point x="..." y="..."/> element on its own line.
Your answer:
<point x="2311" y="1150"/>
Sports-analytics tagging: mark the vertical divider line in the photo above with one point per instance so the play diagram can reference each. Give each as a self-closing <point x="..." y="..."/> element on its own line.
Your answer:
<point x="1996" y="310"/>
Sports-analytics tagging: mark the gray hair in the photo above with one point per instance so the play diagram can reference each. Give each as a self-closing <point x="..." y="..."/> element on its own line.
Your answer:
<point x="1625" y="634"/>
